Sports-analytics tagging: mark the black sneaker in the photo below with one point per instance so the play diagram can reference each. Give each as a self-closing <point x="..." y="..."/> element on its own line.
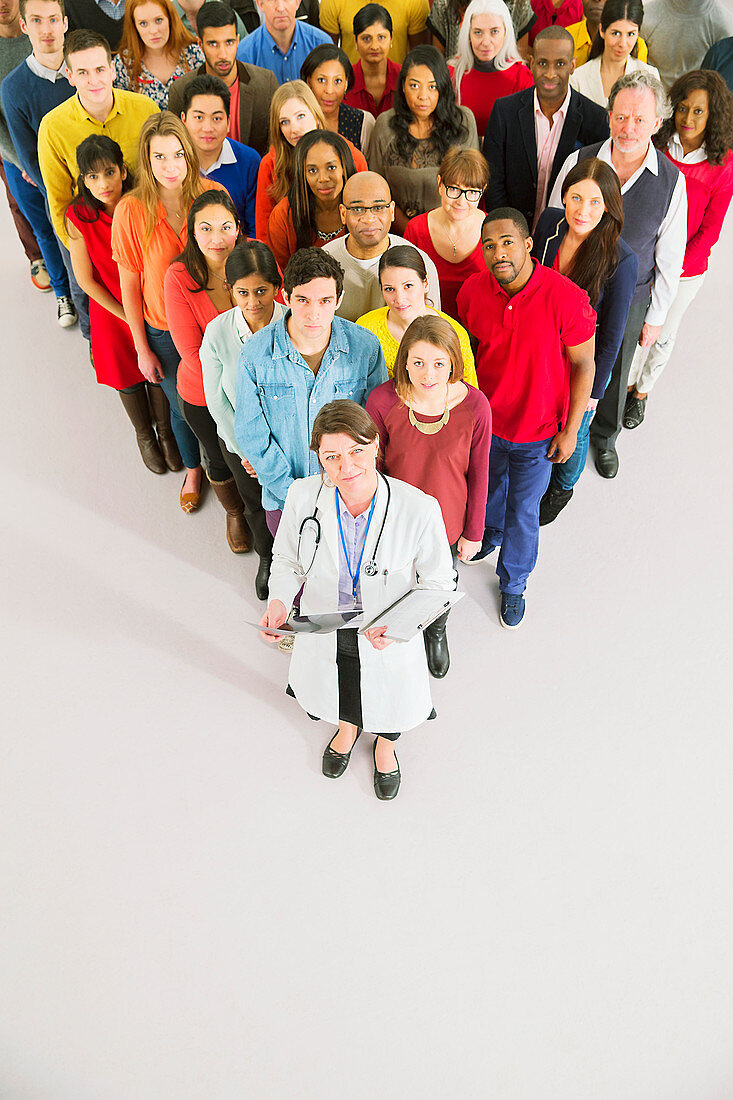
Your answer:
<point x="553" y="503"/>
<point x="512" y="610"/>
<point x="66" y="314"/>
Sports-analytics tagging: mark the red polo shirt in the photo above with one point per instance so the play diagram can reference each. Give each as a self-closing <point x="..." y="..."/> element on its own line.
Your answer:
<point x="521" y="362"/>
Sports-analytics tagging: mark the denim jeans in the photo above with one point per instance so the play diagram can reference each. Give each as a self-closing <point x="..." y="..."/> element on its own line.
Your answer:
<point x="519" y="474"/>
<point x="161" y="344"/>
<point x="565" y="475"/>
<point x="32" y="204"/>
<point x="78" y="297"/>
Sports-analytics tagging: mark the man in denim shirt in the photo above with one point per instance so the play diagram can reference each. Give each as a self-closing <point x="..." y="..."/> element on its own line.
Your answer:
<point x="289" y="370"/>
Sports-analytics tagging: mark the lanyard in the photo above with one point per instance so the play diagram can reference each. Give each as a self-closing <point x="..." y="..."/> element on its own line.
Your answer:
<point x="354" y="576"/>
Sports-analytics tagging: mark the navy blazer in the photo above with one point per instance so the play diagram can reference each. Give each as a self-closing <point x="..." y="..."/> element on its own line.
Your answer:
<point x="510" y="147"/>
<point x="612" y="308"/>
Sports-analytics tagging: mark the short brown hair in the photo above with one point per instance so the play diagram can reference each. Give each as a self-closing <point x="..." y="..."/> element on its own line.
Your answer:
<point x="85" y="40"/>
<point x="23" y="4"/>
<point x="433" y="330"/>
<point x="343" y="418"/>
<point x="464" y="167"/>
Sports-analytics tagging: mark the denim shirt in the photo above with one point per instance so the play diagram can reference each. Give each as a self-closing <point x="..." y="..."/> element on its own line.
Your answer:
<point x="278" y="398"/>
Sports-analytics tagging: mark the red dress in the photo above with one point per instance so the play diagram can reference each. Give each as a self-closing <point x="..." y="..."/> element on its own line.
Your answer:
<point x="450" y="276"/>
<point x="113" y="350"/>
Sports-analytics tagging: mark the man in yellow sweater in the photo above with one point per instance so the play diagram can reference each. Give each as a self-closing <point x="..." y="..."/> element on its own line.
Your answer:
<point x="96" y="108"/>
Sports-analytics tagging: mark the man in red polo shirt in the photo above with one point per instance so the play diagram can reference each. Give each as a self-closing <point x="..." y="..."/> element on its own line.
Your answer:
<point x="535" y="332"/>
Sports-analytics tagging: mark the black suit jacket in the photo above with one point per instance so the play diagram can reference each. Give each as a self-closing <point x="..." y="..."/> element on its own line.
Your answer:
<point x="256" y="89"/>
<point x="511" y="149"/>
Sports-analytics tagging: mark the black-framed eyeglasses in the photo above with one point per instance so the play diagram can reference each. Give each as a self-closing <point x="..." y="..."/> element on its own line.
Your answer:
<point x="362" y="211"/>
<point x="472" y="195"/>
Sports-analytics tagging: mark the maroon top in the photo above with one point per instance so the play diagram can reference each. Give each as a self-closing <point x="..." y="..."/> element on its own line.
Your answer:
<point x="450" y="276"/>
<point x="452" y="465"/>
<point x="113" y="350"/>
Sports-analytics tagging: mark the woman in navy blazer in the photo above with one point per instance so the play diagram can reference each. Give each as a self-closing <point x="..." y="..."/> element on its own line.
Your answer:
<point x="583" y="242"/>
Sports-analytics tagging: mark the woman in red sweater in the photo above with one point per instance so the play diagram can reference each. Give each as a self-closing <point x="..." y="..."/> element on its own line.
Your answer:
<point x="435" y="434"/>
<point x="488" y="64"/>
<point x="196" y="291"/>
<point x="698" y="139"/>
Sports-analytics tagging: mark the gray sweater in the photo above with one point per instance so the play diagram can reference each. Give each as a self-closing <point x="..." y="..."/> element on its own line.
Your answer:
<point x="680" y="32"/>
<point x="12" y="52"/>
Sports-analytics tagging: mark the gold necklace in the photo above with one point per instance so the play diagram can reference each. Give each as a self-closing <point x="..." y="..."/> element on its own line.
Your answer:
<point x="429" y="429"/>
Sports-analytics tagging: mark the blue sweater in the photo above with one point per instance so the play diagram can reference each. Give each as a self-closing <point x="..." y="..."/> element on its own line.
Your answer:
<point x="612" y="308"/>
<point x="240" y="180"/>
<point x="26" y="99"/>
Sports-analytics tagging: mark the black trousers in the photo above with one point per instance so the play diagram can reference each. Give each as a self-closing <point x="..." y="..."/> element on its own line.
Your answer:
<point x="606" y="424"/>
<point x="251" y="493"/>
<point x="203" y="426"/>
<point x="349" y="677"/>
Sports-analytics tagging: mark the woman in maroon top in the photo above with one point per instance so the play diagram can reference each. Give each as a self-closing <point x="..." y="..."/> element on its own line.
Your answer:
<point x="435" y="434"/>
<point x="197" y="291"/>
<point x="451" y="233"/>
<point x="375" y="76"/>
<point x="103" y="180"/>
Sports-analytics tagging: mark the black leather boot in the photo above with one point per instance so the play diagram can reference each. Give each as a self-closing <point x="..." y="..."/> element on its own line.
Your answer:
<point x="262" y="579"/>
<point x="436" y="647"/>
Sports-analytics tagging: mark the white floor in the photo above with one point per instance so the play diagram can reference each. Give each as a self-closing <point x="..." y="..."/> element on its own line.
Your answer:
<point x="191" y="912"/>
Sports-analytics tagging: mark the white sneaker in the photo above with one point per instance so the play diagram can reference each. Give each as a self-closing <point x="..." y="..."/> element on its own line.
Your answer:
<point x="65" y="312"/>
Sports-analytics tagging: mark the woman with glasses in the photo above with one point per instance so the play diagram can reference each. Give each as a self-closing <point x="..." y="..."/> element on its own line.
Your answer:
<point x="451" y="233"/>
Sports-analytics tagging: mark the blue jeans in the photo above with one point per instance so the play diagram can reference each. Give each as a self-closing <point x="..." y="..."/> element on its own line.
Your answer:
<point x="78" y="296"/>
<point x="32" y="203"/>
<point x="161" y="344"/>
<point x="565" y="475"/>
<point x="519" y="474"/>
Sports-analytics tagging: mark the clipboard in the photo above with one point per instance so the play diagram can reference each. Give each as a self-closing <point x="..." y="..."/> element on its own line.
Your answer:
<point x="411" y="613"/>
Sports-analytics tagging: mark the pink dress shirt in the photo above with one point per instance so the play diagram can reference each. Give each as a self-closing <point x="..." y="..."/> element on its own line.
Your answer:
<point x="547" y="138"/>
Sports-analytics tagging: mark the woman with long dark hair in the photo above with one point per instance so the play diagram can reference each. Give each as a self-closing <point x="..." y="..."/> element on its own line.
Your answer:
<point x="375" y="75"/>
<point x="583" y="242"/>
<point x="487" y="64"/>
<point x="698" y="139"/>
<point x="103" y="179"/>
<point x="613" y="52"/>
<point x="409" y="142"/>
<point x="328" y="73"/>
<point x="309" y="213"/>
<point x="254" y="280"/>
<point x="197" y="291"/>
<point x="155" y="50"/>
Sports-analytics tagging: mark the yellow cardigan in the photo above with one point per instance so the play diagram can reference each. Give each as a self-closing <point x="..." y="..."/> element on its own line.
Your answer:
<point x="66" y="126"/>
<point x="376" y="322"/>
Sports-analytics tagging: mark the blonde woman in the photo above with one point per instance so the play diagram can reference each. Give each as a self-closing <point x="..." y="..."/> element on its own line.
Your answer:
<point x="294" y="111"/>
<point x="148" y="231"/>
<point x="155" y="50"/>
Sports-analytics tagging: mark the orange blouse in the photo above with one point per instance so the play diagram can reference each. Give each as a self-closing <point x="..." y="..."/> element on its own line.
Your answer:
<point x="281" y="234"/>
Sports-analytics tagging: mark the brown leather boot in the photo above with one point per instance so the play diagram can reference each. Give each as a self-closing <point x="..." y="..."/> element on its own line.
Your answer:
<point x="238" y="533"/>
<point x="137" y="408"/>
<point x="166" y="439"/>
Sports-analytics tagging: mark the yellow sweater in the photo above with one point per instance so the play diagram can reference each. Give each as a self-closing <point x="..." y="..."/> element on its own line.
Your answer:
<point x="376" y="322"/>
<point x="66" y="126"/>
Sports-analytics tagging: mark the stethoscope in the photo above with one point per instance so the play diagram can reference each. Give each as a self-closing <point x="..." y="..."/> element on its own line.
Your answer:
<point x="312" y="524"/>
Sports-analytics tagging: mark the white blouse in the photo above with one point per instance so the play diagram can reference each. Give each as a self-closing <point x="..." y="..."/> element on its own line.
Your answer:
<point x="587" y="78"/>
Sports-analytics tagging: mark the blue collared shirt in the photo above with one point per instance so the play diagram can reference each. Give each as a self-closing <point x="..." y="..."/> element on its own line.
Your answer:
<point x="355" y="529"/>
<point x="278" y="397"/>
<point x="260" y="48"/>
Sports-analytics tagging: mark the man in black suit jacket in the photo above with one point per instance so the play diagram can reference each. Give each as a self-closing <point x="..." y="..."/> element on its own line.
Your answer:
<point x="510" y="143"/>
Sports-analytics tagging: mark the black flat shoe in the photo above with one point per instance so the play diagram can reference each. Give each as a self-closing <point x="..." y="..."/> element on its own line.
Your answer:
<point x="386" y="784"/>
<point x="607" y="462"/>
<point x="334" y="764"/>
<point x="262" y="579"/>
<point x="634" y="411"/>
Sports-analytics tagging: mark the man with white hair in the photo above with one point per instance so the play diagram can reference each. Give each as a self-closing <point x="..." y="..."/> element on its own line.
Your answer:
<point x="655" y="226"/>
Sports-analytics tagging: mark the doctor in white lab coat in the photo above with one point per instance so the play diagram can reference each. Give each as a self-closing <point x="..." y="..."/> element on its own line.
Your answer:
<point x="357" y="540"/>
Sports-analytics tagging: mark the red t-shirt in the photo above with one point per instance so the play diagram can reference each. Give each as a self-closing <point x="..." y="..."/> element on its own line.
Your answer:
<point x="521" y="362"/>
<point x="450" y="276"/>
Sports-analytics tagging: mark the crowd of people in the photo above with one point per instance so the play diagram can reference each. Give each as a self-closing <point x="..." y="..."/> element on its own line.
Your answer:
<point x="378" y="278"/>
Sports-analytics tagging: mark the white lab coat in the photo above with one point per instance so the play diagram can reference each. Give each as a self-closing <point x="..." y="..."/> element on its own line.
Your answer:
<point x="395" y="684"/>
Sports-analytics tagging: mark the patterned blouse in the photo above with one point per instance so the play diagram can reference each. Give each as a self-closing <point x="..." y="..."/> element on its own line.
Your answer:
<point x="149" y="85"/>
<point x="356" y="125"/>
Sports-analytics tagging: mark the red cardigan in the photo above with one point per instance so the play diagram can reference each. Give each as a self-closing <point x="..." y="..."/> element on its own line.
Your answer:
<point x="709" y="191"/>
<point x="480" y="91"/>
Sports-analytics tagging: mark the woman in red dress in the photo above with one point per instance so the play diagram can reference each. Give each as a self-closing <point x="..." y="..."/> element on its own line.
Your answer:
<point x="103" y="180"/>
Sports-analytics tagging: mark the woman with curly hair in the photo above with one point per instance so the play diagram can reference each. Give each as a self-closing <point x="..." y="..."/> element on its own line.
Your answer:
<point x="409" y="142"/>
<point x="698" y="139"/>
<point x="487" y="64"/>
<point x="155" y="50"/>
<point x="309" y="214"/>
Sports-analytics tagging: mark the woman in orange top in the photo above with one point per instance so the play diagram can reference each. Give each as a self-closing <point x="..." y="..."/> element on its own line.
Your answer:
<point x="309" y="214"/>
<point x="294" y="111"/>
<point x="148" y="231"/>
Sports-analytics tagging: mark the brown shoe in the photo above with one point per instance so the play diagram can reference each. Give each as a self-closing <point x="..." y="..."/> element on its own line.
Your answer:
<point x="137" y="408"/>
<point x="238" y="533"/>
<point x="166" y="439"/>
<point x="190" y="501"/>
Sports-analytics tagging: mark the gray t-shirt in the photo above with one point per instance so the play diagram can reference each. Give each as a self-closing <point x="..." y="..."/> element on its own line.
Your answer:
<point x="13" y="51"/>
<point x="680" y="32"/>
